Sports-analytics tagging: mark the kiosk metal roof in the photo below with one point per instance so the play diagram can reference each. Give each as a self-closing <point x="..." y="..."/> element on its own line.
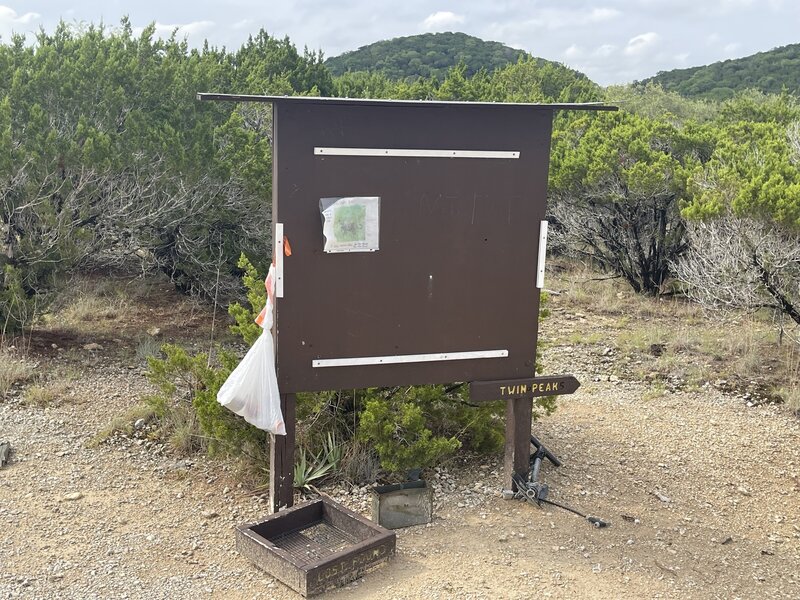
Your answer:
<point x="379" y="102"/>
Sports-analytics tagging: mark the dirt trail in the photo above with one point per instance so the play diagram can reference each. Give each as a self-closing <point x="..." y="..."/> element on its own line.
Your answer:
<point x="703" y="493"/>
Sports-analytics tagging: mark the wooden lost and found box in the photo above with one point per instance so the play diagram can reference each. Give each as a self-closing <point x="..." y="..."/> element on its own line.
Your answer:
<point x="315" y="546"/>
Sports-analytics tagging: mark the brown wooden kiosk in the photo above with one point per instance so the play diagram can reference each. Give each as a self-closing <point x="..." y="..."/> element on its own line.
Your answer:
<point x="431" y="276"/>
<point x="417" y="238"/>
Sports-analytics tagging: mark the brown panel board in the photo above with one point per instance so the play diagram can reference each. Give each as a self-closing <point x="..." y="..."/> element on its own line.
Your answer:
<point x="459" y="238"/>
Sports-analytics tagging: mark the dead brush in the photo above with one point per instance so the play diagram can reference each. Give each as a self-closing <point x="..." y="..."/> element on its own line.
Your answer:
<point x="48" y="394"/>
<point x="359" y="463"/>
<point x="91" y="308"/>
<point x="790" y="392"/>
<point x="672" y="337"/>
<point x="13" y="371"/>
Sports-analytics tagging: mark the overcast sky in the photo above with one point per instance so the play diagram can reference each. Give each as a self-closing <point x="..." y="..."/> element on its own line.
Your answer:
<point x="612" y="41"/>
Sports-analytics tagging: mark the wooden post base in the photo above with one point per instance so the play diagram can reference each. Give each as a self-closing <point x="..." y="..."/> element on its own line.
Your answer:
<point x="281" y="459"/>
<point x="519" y="414"/>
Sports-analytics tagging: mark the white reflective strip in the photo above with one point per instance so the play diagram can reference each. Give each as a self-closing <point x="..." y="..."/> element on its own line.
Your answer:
<point x="421" y="153"/>
<point x="407" y="358"/>
<point x="279" y="260"/>
<point x="542" y="254"/>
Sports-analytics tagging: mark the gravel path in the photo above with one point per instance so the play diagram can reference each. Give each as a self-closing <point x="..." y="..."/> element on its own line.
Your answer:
<point x="702" y="490"/>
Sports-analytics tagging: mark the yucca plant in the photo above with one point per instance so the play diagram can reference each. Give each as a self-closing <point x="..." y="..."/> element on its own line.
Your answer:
<point x="320" y="465"/>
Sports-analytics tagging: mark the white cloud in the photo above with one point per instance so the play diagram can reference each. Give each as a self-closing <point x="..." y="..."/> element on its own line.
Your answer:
<point x="193" y="27"/>
<point x="242" y="24"/>
<point x="562" y="18"/>
<point x="603" y="14"/>
<point x="186" y="29"/>
<point x="682" y="57"/>
<point x="605" y="50"/>
<point x="641" y="43"/>
<point x="442" y="19"/>
<point x="573" y="52"/>
<point x="731" y="48"/>
<point x="11" y="20"/>
<point x="727" y="5"/>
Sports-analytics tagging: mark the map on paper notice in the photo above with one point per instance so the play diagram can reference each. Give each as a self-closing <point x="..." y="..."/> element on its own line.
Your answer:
<point x="351" y="224"/>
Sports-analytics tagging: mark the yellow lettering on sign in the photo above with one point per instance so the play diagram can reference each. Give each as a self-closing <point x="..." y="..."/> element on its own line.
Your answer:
<point x="541" y="387"/>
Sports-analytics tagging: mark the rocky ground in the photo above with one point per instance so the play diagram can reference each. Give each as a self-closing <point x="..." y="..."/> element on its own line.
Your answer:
<point x="702" y="490"/>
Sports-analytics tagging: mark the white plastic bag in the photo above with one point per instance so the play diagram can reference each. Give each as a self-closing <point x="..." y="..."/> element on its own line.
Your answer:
<point x="251" y="390"/>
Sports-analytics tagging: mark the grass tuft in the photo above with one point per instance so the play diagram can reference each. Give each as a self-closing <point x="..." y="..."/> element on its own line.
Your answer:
<point x="93" y="308"/>
<point x="124" y="423"/>
<point x="13" y="371"/>
<point x="148" y="346"/>
<point x="41" y="396"/>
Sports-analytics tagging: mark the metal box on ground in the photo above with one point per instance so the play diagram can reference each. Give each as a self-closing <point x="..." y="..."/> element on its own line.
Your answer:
<point x="402" y="504"/>
<point x="315" y="546"/>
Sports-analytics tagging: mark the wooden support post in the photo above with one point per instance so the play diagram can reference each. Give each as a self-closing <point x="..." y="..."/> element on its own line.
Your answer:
<point x="281" y="459"/>
<point x="519" y="414"/>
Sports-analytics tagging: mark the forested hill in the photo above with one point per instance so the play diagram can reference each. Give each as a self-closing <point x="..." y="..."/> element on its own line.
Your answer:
<point x="425" y="55"/>
<point x="768" y="71"/>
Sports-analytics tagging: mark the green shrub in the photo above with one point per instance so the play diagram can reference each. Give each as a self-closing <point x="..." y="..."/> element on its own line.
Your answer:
<point x="256" y="297"/>
<point x="191" y="382"/>
<point x="18" y="306"/>
<point x="397" y="427"/>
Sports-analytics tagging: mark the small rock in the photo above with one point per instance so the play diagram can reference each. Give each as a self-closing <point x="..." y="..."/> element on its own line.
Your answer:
<point x="5" y="451"/>
<point x="209" y="514"/>
<point x="153" y="331"/>
<point x="73" y="496"/>
<point x="726" y="540"/>
<point x="92" y="346"/>
<point x="138" y="424"/>
<point x="743" y="491"/>
<point x="661" y="496"/>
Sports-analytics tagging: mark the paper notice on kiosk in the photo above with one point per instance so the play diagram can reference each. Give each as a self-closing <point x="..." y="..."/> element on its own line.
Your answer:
<point x="351" y="224"/>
